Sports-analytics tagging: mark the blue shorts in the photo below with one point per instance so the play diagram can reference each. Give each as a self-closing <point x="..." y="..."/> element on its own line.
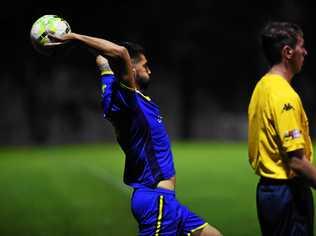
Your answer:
<point x="158" y="212"/>
<point x="285" y="207"/>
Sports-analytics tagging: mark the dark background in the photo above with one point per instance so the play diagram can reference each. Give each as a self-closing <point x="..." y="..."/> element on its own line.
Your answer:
<point x="204" y="56"/>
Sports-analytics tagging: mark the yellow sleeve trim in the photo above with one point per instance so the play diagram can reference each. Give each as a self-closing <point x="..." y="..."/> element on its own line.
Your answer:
<point x="107" y="72"/>
<point x="200" y="227"/>
<point x="295" y="147"/>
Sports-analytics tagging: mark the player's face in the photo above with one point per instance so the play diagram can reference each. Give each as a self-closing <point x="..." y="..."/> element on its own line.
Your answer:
<point x="142" y="72"/>
<point x="299" y="54"/>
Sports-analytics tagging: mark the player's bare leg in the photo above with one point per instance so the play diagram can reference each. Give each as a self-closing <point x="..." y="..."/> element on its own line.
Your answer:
<point x="207" y="231"/>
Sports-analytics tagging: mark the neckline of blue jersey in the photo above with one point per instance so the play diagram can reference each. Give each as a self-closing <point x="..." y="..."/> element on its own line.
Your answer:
<point x="144" y="96"/>
<point x="136" y="90"/>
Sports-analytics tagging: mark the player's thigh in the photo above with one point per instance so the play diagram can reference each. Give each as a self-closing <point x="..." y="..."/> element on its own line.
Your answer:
<point x="156" y="213"/>
<point x="207" y="231"/>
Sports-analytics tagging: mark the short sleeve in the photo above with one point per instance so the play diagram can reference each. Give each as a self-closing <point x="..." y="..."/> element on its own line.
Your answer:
<point x="287" y="115"/>
<point x="116" y="97"/>
<point x="107" y="85"/>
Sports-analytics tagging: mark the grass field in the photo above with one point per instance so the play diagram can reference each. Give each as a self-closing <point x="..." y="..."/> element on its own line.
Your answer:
<point x="78" y="190"/>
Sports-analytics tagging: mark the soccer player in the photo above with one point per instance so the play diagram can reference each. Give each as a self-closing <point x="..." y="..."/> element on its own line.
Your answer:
<point x="149" y="167"/>
<point x="279" y="145"/>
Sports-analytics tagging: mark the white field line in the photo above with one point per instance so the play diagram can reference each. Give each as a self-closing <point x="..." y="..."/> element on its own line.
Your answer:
<point x="105" y="176"/>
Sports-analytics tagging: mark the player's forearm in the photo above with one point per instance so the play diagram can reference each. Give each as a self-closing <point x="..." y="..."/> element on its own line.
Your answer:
<point x="303" y="167"/>
<point x="111" y="50"/>
<point x="105" y="47"/>
<point x="309" y="172"/>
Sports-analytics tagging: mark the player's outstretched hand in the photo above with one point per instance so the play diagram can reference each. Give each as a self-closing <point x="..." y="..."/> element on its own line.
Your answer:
<point x="57" y="40"/>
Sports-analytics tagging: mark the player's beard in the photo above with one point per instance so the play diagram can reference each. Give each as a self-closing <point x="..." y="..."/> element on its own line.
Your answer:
<point x="143" y="83"/>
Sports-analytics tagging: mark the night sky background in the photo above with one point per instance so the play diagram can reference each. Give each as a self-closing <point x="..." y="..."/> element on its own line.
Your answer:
<point x="205" y="59"/>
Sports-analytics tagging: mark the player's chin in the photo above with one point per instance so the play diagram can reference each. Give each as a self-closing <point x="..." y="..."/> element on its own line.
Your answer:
<point x="299" y="68"/>
<point x="145" y="79"/>
<point x="144" y="82"/>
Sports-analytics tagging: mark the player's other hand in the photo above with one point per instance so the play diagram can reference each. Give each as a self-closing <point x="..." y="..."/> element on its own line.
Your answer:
<point x="101" y="60"/>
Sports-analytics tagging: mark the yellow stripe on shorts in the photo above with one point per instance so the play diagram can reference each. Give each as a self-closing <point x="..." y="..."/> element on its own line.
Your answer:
<point x="159" y="219"/>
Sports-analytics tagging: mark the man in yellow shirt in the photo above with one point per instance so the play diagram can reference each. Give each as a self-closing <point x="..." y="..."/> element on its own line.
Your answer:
<point x="279" y="145"/>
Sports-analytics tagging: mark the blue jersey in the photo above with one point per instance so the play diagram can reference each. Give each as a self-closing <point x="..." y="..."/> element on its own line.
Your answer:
<point x="140" y="133"/>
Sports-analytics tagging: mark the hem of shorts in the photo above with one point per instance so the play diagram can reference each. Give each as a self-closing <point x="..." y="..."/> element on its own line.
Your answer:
<point x="278" y="177"/>
<point x="198" y="228"/>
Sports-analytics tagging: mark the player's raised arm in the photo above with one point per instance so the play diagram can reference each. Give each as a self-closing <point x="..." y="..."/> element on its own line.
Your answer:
<point x="119" y="54"/>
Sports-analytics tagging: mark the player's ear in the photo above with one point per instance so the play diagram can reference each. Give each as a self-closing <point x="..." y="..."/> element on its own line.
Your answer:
<point x="287" y="52"/>
<point x="134" y="72"/>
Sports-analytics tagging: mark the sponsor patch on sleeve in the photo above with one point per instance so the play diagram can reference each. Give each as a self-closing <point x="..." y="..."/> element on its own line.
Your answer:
<point x="293" y="134"/>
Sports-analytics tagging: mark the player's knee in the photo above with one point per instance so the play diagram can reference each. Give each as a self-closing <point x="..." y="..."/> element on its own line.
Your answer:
<point x="215" y="232"/>
<point x="208" y="231"/>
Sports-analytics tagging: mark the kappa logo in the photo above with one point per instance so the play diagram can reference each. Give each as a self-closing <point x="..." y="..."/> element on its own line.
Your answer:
<point x="159" y="119"/>
<point x="287" y="107"/>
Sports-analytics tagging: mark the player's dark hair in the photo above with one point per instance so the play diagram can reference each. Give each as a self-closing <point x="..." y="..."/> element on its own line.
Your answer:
<point x="134" y="50"/>
<point x="275" y="35"/>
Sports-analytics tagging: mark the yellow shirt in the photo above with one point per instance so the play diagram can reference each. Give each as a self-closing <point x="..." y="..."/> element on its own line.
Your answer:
<point x="277" y="124"/>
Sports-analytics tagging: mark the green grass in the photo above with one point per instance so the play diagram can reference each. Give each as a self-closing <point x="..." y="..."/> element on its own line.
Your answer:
<point x="78" y="190"/>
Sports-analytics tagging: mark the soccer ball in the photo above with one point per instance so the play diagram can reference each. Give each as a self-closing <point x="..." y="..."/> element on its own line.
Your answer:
<point x="47" y="24"/>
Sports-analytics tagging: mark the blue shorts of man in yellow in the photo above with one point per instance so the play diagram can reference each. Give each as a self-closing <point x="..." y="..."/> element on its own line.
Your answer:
<point x="158" y="212"/>
<point x="285" y="207"/>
